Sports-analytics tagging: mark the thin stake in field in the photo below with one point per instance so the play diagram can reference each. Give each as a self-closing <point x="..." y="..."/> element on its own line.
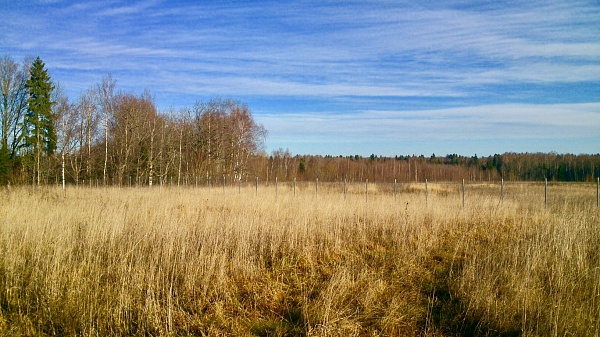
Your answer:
<point x="426" y="193"/>
<point x="545" y="192"/>
<point x="463" y="193"/>
<point x="502" y="191"/>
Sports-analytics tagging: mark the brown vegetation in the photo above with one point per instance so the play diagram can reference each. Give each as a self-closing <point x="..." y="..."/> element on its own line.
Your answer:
<point x="199" y="261"/>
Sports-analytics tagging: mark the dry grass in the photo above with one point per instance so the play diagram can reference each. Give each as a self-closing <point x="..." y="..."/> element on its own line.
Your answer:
<point x="98" y="262"/>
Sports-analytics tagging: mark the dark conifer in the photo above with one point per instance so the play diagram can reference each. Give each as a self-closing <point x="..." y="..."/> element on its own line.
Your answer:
<point x="39" y="132"/>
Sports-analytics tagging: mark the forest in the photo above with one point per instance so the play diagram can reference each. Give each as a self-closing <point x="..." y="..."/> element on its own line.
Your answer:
<point x="110" y="137"/>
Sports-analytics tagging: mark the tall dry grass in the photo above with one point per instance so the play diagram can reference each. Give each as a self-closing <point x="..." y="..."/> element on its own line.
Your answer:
<point x="169" y="261"/>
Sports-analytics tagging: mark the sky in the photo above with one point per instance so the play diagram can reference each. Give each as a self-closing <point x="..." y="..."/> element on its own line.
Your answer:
<point x="341" y="77"/>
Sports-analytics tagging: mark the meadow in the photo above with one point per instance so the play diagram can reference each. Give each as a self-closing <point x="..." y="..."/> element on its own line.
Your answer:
<point x="186" y="261"/>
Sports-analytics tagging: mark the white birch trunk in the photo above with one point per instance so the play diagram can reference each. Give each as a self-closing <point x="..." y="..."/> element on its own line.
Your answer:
<point x="63" y="170"/>
<point x="105" y="148"/>
<point x="180" y="156"/>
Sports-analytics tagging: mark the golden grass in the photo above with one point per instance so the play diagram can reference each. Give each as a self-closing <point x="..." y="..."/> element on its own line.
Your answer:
<point x="186" y="261"/>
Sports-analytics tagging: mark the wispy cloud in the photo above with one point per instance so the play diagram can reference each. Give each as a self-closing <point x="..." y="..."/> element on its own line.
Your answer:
<point x="357" y="59"/>
<point x="135" y="9"/>
<point x="512" y="123"/>
<point x="472" y="122"/>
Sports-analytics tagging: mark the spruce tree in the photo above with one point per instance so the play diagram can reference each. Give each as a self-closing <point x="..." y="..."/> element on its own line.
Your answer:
<point x="39" y="132"/>
<point x="4" y="165"/>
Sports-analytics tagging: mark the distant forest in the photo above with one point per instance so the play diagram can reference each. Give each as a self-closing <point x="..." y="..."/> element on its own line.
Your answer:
<point x="110" y="137"/>
<point x="452" y="167"/>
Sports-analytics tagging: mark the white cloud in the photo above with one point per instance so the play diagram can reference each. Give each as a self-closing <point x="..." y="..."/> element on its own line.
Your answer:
<point x="136" y="8"/>
<point x="362" y="52"/>
<point x="504" y="121"/>
<point x="371" y="50"/>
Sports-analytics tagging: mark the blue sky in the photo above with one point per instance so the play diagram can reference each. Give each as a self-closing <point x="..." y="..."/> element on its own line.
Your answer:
<point x="342" y="77"/>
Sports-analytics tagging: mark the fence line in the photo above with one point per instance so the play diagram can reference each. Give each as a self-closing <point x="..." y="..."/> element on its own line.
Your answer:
<point x="210" y="183"/>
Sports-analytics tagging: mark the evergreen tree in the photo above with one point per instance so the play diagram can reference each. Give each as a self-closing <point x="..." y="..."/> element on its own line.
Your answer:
<point x="4" y="165"/>
<point x="39" y="132"/>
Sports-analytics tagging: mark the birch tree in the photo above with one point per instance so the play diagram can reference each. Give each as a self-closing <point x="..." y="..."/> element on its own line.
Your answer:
<point x="106" y="97"/>
<point x="65" y="115"/>
<point x="227" y="135"/>
<point x="89" y="117"/>
<point x="247" y="137"/>
<point x="130" y="135"/>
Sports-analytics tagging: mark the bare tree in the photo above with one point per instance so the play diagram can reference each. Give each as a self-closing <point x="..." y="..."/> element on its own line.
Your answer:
<point x="89" y="115"/>
<point x="130" y="134"/>
<point x="165" y="158"/>
<point x="281" y="159"/>
<point x="248" y="137"/>
<point x="107" y="102"/>
<point x="226" y="135"/>
<point x="13" y="102"/>
<point x="65" y="126"/>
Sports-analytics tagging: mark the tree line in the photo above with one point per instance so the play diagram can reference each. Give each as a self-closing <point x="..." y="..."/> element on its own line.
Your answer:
<point x="110" y="137"/>
<point x="452" y="167"/>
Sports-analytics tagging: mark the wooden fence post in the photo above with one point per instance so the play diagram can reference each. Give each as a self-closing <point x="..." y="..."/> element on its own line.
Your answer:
<point x="426" y="193"/>
<point x="463" y="193"/>
<point x="545" y="192"/>
<point x="502" y="192"/>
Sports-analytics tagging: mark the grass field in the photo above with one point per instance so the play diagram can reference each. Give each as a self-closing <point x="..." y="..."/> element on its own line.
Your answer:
<point x="210" y="262"/>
